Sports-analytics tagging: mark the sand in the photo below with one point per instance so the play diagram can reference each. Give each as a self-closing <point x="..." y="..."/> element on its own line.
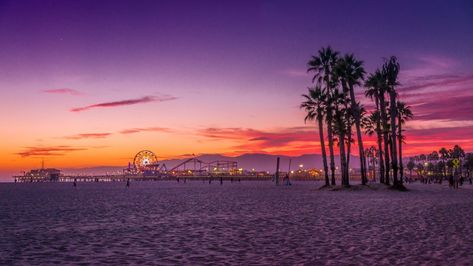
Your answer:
<point x="255" y="223"/>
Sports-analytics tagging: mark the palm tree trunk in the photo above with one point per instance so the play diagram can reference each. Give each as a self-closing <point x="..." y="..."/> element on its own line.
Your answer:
<point x="324" y="153"/>
<point x="401" y="165"/>
<point x="330" y="144"/>
<point x="348" y="152"/>
<point x="392" y="95"/>
<point x="380" y="139"/>
<point x="374" y="167"/>
<point x="343" y="162"/>
<point x="385" y="137"/>
<point x="356" y="112"/>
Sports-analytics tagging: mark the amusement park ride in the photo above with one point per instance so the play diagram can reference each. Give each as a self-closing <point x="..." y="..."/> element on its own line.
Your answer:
<point x="145" y="167"/>
<point x="145" y="163"/>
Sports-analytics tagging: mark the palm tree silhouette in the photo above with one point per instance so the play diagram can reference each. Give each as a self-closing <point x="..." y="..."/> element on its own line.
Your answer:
<point x="323" y="67"/>
<point x="351" y="73"/>
<point x="410" y="167"/>
<point x="375" y="89"/>
<point x="404" y="113"/>
<point x="391" y="70"/>
<point x="314" y="106"/>
<point x="371" y="162"/>
<point x="333" y="100"/>
<point x="340" y="126"/>
<point x="444" y="156"/>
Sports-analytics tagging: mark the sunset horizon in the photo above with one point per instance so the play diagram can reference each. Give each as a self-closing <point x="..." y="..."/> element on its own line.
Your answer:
<point x="79" y="93"/>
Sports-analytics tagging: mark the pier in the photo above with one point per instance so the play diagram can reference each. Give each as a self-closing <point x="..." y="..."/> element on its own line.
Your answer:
<point x="124" y="178"/>
<point x="145" y="167"/>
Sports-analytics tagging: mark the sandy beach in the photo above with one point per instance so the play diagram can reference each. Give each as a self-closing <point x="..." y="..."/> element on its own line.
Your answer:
<point x="246" y="223"/>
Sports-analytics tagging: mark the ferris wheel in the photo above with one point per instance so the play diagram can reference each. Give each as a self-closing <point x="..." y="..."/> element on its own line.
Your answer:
<point x="145" y="159"/>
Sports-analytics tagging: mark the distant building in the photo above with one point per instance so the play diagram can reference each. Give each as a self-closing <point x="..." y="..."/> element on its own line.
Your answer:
<point x="41" y="175"/>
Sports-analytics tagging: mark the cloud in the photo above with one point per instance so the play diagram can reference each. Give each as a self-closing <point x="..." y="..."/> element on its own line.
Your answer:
<point x="430" y="139"/>
<point x="295" y="73"/>
<point x="436" y="81"/>
<point x="259" y="138"/>
<point x="438" y="61"/>
<point x="447" y="106"/>
<point x="63" y="91"/>
<point x="439" y="123"/>
<point x="429" y="65"/>
<point x="89" y="136"/>
<point x="125" y="131"/>
<point x="48" y="151"/>
<point x="148" y="129"/>
<point x="423" y="137"/>
<point x="441" y="98"/>
<point x="145" y="99"/>
<point x="292" y="140"/>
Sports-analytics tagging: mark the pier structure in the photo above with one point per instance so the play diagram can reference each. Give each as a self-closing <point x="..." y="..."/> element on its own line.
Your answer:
<point x="145" y="167"/>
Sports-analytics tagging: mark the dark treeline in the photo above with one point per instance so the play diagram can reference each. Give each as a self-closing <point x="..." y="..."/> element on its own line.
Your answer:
<point x="452" y="165"/>
<point x="331" y="103"/>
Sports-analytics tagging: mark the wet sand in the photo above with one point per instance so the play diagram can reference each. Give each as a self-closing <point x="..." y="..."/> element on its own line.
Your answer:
<point x="249" y="223"/>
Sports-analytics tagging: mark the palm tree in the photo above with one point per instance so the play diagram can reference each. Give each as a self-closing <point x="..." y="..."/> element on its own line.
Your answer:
<point x="323" y="67"/>
<point x="314" y="106"/>
<point x="370" y="127"/>
<point x="351" y="72"/>
<point x="371" y="162"/>
<point x="373" y="152"/>
<point x="459" y="153"/>
<point x="340" y="128"/>
<point x="410" y="167"/>
<point x="433" y="158"/>
<point x="384" y="119"/>
<point x="468" y="164"/>
<point x="349" y="140"/>
<point x="420" y="170"/>
<point x="375" y="89"/>
<point x="444" y="156"/>
<point x="391" y="71"/>
<point x="404" y="113"/>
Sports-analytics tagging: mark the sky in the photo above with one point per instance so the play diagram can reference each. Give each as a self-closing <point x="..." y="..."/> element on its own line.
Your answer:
<point x="88" y="83"/>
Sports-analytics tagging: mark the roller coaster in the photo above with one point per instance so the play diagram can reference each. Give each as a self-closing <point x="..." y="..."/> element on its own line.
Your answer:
<point x="145" y="163"/>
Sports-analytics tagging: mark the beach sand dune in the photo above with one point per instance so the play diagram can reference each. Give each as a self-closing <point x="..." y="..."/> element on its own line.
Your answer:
<point x="246" y="223"/>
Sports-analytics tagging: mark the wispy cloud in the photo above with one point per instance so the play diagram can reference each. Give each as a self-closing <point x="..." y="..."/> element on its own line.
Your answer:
<point x="89" y="136"/>
<point x="48" y="151"/>
<point x="293" y="140"/>
<point x="145" y="99"/>
<point x="429" y="65"/>
<point x="442" y="81"/>
<point x="438" y="123"/>
<point x="63" y="91"/>
<point x="148" y="129"/>
<point x="295" y="73"/>
<point x="448" y="107"/>
<point x="438" y="61"/>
